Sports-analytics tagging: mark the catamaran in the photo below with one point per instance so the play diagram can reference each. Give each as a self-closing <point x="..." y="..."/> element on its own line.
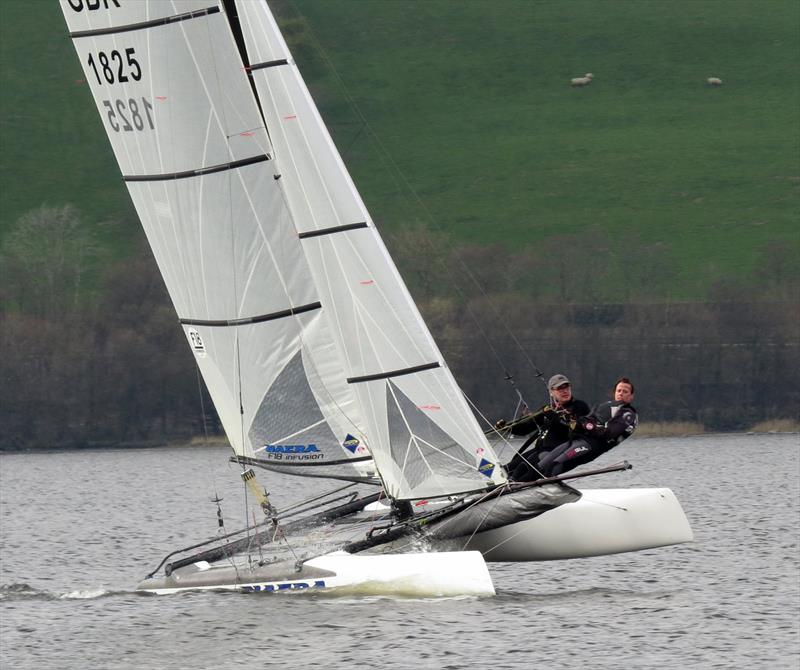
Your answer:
<point x="315" y="355"/>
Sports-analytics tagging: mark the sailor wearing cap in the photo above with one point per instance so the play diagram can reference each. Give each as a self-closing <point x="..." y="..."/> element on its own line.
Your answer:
<point x="548" y="427"/>
<point x="560" y="390"/>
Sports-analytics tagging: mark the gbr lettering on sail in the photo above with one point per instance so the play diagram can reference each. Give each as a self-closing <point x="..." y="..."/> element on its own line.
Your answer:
<point x="114" y="67"/>
<point x="90" y="5"/>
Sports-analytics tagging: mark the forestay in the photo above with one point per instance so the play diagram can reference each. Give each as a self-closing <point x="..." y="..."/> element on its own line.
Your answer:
<point x="304" y="332"/>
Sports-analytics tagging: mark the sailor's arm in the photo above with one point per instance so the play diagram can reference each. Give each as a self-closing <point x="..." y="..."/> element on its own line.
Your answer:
<point x="620" y="427"/>
<point x="529" y="423"/>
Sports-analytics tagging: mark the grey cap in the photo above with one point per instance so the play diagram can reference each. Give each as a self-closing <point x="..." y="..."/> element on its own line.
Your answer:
<point x="557" y="380"/>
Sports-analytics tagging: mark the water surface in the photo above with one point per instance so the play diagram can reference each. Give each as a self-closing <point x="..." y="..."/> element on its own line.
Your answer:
<point x="80" y="529"/>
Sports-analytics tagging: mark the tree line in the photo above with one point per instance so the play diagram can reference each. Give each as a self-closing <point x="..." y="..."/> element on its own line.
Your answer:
<point x="92" y="353"/>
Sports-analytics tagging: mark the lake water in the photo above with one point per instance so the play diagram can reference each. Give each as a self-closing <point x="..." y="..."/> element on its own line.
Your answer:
<point x="80" y="529"/>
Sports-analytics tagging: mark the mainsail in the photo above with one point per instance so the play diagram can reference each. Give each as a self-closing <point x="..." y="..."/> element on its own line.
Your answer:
<point x="305" y="334"/>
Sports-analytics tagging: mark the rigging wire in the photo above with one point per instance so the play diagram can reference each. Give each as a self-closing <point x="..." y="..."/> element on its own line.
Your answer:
<point x="485" y="516"/>
<point x="236" y="289"/>
<point x="235" y="280"/>
<point x="503" y="437"/>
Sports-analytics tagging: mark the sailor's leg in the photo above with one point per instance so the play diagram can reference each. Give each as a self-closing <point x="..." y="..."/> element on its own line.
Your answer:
<point x="520" y="457"/>
<point x="522" y="472"/>
<point x="514" y="463"/>
<point x="577" y="453"/>
<point x="527" y="468"/>
<point x="547" y="461"/>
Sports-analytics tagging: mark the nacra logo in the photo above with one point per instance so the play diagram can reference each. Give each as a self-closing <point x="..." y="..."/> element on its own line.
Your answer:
<point x="291" y="448"/>
<point x="285" y="586"/>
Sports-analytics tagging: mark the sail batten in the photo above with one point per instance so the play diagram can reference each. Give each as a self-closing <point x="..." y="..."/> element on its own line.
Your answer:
<point x="272" y="63"/>
<point x="291" y="311"/>
<point x="143" y="25"/>
<point x="393" y="373"/>
<point x="333" y="229"/>
<point x="199" y="172"/>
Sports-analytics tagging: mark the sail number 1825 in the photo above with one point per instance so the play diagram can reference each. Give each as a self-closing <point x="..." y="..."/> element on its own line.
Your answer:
<point x="129" y="115"/>
<point x="115" y="68"/>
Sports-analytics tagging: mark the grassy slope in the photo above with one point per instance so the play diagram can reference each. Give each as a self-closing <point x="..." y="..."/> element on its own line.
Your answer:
<point x="472" y="103"/>
<point x="54" y="148"/>
<point x="471" y="100"/>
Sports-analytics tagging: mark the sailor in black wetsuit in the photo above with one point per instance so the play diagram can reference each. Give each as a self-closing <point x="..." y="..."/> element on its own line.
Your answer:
<point x="609" y="424"/>
<point x="548" y="427"/>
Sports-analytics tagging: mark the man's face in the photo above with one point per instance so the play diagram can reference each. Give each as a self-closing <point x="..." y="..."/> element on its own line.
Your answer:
<point x="562" y="393"/>
<point x="623" y="392"/>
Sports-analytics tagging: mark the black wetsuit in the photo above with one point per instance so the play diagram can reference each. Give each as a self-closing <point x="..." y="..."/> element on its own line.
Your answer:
<point x="549" y="428"/>
<point x="609" y="424"/>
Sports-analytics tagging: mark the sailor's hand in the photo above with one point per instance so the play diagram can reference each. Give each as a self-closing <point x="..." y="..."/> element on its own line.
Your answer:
<point x="564" y="415"/>
<point x="500" y="423"/>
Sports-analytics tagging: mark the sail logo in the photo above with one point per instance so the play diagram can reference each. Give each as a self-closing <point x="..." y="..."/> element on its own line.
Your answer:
<point x="283" y="586"/>
<point x="486" y="467"/>
<point x="197" y="343"/>
<point x="352" y="444"/>
<point x="576" y="451"/>
<point x="291" y="448"/>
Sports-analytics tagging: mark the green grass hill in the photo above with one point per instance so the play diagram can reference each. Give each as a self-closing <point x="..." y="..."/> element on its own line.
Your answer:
<point x="459" y="115"/>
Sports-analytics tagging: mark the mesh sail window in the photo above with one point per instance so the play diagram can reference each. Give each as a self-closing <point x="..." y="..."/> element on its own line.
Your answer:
<point x="289" y="426"/>
<point x="429" y="458"/>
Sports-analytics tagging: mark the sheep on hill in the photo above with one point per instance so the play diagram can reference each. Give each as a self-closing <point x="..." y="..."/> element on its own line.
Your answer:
<point x="714" y="81"/>
<point x="585" y="80"/>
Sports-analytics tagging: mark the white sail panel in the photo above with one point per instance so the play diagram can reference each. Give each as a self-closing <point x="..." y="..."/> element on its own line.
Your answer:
<point x="323" y="194"/>
<point x="325" y="374"/>
<point x="99" y="14"/>
<point x="376" y="324"/>
<point x="176" y="104"/>
<point x="225" y="244"/>
<point x="186" y="74"/>
<point x="239" y="364"/>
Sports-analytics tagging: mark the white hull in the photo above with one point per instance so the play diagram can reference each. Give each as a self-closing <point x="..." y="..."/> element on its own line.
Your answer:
<point x="417" y="575"/>
<point x="603" y="521"/>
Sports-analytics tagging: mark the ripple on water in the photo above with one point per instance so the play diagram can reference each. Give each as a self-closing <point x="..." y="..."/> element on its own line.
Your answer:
<point x="730" y="599"/>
